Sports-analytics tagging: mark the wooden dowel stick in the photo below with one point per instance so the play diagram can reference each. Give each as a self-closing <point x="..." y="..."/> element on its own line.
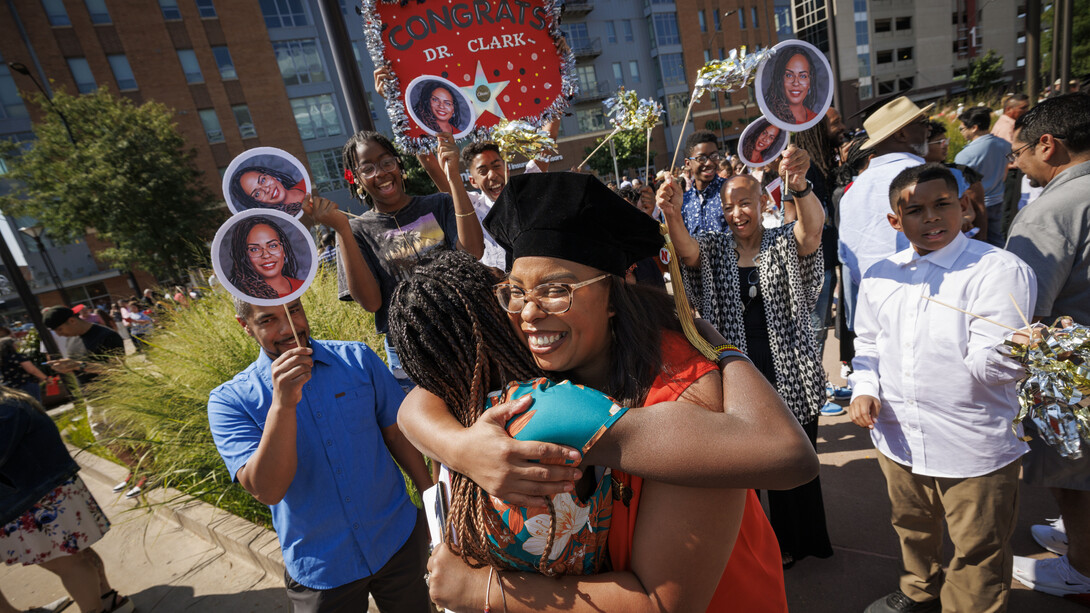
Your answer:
<point x="681" y="131"/>
<point x="602" y="144"/>
<point x="647" y="163"/>
<point x="1020" y="313"/>
<point x="294" y="332"/>
<point x="981" y="317"/>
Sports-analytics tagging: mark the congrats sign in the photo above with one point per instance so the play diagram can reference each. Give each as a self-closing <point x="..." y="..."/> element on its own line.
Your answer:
<point x="461" y="67"/>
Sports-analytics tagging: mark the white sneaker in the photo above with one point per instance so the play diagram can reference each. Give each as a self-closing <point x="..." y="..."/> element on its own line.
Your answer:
<point x="1051" y="536"/>
<point x="1052" y="576"/>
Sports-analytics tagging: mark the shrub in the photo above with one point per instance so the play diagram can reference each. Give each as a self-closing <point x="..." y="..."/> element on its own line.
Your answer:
<point x="156" y="402"/>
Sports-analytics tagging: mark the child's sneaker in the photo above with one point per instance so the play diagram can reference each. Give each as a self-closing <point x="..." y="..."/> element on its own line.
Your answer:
<point x="837" y="393"/>
<point x="1052" y="576"/>
<point x="845" y="370"/>
<point x="1052" y="536"/>
<point x="832" y="409"/>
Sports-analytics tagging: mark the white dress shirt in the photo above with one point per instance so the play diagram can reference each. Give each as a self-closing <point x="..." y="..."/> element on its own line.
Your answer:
<point x="945" y="381"/>
<point x="865" y="234"/>
<point x="494" y="255"/>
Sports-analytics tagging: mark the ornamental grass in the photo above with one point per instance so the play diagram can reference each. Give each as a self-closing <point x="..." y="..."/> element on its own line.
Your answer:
<point x="156" y="402"/>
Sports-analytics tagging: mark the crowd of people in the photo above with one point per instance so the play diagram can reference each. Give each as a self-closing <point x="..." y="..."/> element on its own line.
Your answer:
<point x="575" y="496"/>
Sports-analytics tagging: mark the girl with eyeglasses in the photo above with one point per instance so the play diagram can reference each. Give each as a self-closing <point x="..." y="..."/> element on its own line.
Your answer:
<point x="399" y="228"/>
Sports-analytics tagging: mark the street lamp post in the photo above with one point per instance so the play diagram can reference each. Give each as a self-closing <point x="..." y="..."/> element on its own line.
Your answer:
<point x="35" y="232"/>
<point x="23" y="70"/>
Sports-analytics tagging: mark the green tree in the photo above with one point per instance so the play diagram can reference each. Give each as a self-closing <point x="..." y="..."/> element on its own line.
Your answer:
<point x="631" y="148"/>
<point x="128" y="175"/>
<point x="985" y="72"/>
<point x="1080" y="38"/>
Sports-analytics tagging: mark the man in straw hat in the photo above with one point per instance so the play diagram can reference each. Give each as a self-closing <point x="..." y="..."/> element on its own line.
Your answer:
<point x="898" y="138"/>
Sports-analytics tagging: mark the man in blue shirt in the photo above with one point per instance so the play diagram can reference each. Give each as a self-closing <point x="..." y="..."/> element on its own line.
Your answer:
<point x="986" y="154"/>
<point x="701" y="208"/>
<point x="310" y="430"/>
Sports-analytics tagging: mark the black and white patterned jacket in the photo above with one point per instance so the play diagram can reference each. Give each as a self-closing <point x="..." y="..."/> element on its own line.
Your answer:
<point x="790" y="286"/>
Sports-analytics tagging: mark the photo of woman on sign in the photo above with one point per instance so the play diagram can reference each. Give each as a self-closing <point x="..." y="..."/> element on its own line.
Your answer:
<point x="264" y="257"/>
<point x="266" y="178"/>
<point x="437" y="105"/>
<point x="794" y="88"/>
<point x="761" y="143"/>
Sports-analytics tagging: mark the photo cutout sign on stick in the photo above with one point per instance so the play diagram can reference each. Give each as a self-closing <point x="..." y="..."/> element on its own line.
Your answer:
<point x="266" y="178"/>
<point x="462" y="67"/>
<point x="761" y="142"/>
<point x="795" y="87"/>
<point x="264" y="257"/>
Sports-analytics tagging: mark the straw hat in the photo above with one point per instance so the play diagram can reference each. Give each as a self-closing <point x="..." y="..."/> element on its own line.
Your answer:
<point x="886" y="121"/>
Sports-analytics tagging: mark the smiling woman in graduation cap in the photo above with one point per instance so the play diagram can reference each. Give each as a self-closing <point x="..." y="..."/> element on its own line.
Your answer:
<point x="571" y="240"/>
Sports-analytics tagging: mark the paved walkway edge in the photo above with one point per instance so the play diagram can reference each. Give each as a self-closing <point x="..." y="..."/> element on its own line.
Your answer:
<point x="240" y="538"/>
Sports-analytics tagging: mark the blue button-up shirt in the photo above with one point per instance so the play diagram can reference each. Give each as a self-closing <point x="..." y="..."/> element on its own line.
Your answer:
<point x="346" y="512"/>
<point x="702" y="210"/>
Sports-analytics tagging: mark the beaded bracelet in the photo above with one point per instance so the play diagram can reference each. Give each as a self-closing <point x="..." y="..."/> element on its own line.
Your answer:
<point x="728" y="351"/>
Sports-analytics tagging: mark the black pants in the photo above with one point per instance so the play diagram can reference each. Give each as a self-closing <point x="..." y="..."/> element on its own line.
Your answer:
<point x="397" y="587"/>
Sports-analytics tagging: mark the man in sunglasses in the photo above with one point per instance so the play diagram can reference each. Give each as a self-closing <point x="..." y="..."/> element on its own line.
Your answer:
<point x="701" y="209"/>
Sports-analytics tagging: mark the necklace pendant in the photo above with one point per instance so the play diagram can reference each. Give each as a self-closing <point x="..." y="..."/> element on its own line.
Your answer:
<point x="752" y="291"/>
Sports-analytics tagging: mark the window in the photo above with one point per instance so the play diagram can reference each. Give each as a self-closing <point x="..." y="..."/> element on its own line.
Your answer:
<point x="904" y="54"/>
<point x="707" y="56"/>
<point x="170" y="10"/>
<point x="722" y="53"/>
<point x="190" y="66"/>
<point x="211" y="125"/>
<point x="676" y="105"/>
<point x="666" y="29"/>
<point x="122" y="72"/>
<point x="316" y="116"/>
<point x="634" y="70"/>
<point x="54" y="10"/>
<point x="81" y="72"/>
<point x="577" y="35"/>
<point x="741" y="19"/>
<point x="618" y="73"/>
<point x="611" y="32"/>
<point x="1020" y="62"/>
<point x="11" y="103"/>
<point x="206" y="9"/>
<point x="283" y="13"/>
<point x="882" y="25"/>
<point x="906" y="84"/>
<point x="904" y="23"/>
<point x="244" y="120"/>
<point x="756" y="22"/>
<point x="884" y="57"/>
<point x="225" y="63"/>
<point x="673" y="69"/>
<point x="590" y="120"/>
<point x="326" y="170"/>
<point x="886" y="87"/>
<point x="702" y="21"/>
<point x="588" y="78"/>
<point x="715" y="20"/>
<point x="626" y="26"/>
<point x="299" y="61"/>
<point x="97" y="10"/>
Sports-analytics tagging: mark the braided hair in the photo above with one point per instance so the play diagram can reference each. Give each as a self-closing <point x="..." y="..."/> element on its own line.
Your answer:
<point x="422" y="108"/>
<point x="817" y="142"/>
<point x="243" y="276"/>
<point x="775" y="96"/>
<point x="350" y="159"/>
<point x="240" y="196"/>
<point x="456" y="342"/>
<point x="853" y="161"/>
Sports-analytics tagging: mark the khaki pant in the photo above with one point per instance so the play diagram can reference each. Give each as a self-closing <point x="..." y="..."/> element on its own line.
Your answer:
<point x="980" y="513"/>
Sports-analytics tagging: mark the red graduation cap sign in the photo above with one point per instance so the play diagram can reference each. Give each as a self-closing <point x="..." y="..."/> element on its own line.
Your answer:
<point x="463" y="66"/>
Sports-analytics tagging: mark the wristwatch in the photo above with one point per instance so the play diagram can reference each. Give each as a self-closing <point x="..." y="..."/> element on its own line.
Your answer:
<point x="791" y="195"/>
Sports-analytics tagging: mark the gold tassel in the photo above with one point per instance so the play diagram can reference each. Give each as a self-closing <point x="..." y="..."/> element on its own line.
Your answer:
<point x="681" y="301"/>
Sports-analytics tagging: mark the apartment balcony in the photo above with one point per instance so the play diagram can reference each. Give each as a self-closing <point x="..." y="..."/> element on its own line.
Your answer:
<point x="577" y="8"/>
<point x="586" y="49"/>
<point x="593" y="92"/>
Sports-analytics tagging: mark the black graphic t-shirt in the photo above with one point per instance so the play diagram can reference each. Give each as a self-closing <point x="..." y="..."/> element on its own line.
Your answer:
<point x="392" y="244"/>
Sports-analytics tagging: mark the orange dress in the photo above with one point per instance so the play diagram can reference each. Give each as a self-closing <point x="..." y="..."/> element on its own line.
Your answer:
<point x="753" y="579"/>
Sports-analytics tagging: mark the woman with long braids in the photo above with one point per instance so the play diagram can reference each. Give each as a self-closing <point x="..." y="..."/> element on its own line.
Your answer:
<point x="263" y="261"/>
<point x="572" y="324"/>
<point x="258" y="187"/>
<point x="790" y="95"/>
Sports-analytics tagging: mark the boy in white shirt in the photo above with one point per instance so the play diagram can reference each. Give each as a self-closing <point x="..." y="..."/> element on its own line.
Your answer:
<point x="936" y="388"/>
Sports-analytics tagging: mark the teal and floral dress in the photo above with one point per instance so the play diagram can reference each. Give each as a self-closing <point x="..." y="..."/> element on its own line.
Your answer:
<point x="568" y="414"/>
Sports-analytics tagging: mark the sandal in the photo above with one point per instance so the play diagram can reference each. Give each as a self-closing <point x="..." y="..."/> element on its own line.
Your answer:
<point x="112" y="602"/>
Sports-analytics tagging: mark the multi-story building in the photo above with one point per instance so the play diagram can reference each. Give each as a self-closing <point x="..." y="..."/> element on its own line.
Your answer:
<point x="237" y="73"/>
<point x="921" y="49"/>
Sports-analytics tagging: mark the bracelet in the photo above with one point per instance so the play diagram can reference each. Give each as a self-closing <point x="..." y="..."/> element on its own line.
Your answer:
<point x="728" y="351"/>
<point x="488" y="590"/>
<point x="457" y="214"/>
